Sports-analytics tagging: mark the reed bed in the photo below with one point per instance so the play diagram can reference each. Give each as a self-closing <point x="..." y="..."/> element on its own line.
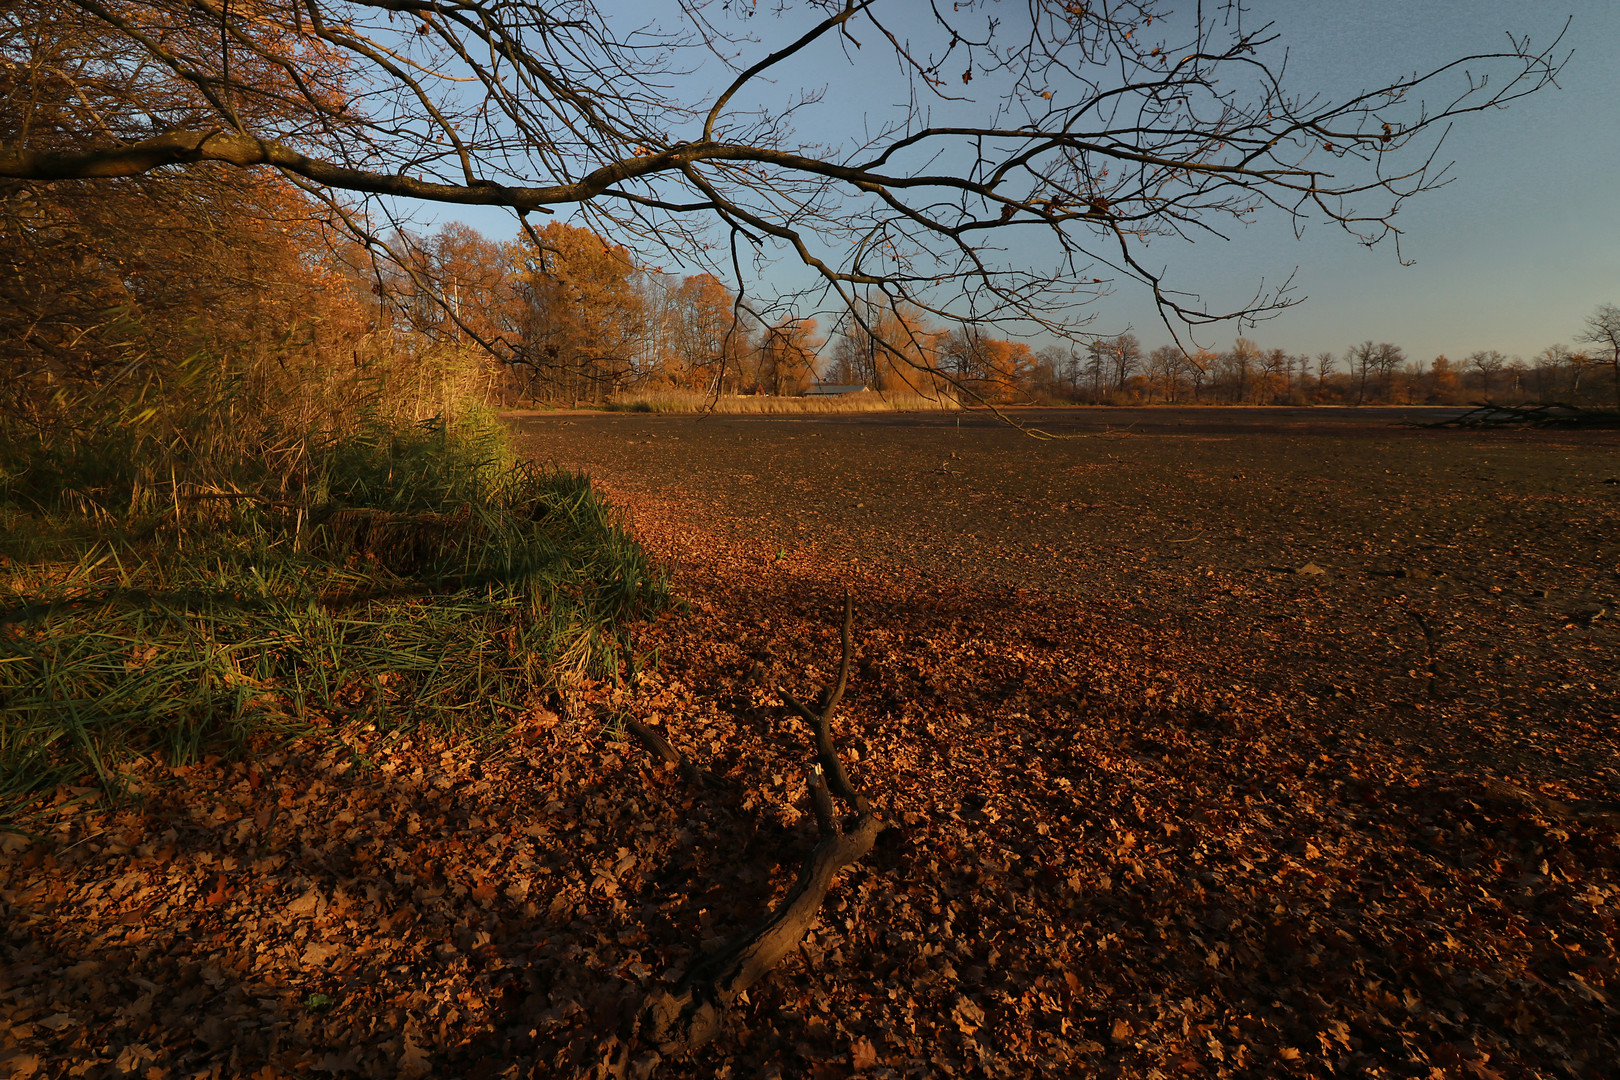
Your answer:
<point x="693" y="401"/>
<point x="388" y="572"/>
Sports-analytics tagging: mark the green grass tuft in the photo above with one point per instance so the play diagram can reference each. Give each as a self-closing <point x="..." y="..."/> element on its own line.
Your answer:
<point x="416" y="577"/>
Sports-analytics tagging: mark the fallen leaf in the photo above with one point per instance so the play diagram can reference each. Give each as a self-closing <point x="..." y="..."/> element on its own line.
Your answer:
<point x="414" y="1061"/>
<point x="862" y="1055"/>
<point x="18" y="1065"/>
<point x="219" y="893"/>
<point x="316" y="954"/>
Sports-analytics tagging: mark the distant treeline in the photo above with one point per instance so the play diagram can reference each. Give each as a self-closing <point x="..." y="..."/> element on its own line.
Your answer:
<point x="1118" y="371"/>
<point x="574" y="319"/>
<point x="103" y="281"/>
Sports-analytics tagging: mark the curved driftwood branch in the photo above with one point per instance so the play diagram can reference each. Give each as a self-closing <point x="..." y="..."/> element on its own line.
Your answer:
<point x="692" y="1014"/>
<point x="694" y="1011"/>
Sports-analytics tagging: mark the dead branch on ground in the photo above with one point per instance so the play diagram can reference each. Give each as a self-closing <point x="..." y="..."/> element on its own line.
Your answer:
<point x="1546" y="415"/>
<point x="658" y="746"/>
<point x="693" y="1012"/>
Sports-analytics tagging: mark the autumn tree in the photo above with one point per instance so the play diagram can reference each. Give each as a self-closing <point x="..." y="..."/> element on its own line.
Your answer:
<point x="704" y="336"/>
<point x="1443" y="381"/>
<point x="889" y="350"/>
<point x="992" y="370"/>
<point x="199" y="315"/>
<point x="534" y="105"/>
<point x="95" y="273"/>
<point x="786" y="356"/>
<point x="583" y="318"/>
<point x="472" y="275"/>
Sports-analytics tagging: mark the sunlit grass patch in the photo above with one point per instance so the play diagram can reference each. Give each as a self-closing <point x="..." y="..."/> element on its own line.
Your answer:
<point x="413" y="579"/>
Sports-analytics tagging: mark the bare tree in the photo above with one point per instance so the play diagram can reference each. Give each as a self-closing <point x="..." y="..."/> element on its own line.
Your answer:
<point x="1360" y="361"/>
<point x="1517" y="369"/>
<point x="1096" y="367"/>
<point x="1095" y="127"/>
<point x="1386" y="360"/>
<point x="1549" y="366"/>
<point x="1198" y="366"/>
<point x="1164" y="370"/>
<point x="1238" y="365"/>
<point x="1486" y="363"/>
<point x="1125" y="353"/>
<point x="1074" y="371"/>
<point x="1276" y="370"/>
<point x="1326" y="365"/>
<point x="1603" y="330"/>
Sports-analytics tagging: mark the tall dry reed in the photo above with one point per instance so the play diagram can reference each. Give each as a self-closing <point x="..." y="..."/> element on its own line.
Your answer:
<point x="238" y="548"/>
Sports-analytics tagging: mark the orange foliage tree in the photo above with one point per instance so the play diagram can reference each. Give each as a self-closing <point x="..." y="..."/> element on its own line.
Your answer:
<point x="111" y="285"/>
<point x="703" y="340"/>
<point x="785" y="358"/>
<point x="889" y="350"/>
<point x="990" y="369"/>
<point x="583" y="319"/>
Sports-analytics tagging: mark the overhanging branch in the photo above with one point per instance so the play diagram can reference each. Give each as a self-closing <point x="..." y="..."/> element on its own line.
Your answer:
<point x="243" y="151"/>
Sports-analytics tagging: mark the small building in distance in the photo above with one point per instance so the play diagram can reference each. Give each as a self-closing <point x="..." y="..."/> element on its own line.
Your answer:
<point x="834" y="389"/>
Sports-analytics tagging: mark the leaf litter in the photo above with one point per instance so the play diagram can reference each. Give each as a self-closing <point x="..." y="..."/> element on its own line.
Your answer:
<point x="1105" y="858"/>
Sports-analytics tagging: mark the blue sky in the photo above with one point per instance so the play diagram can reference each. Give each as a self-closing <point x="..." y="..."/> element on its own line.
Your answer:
<point x="1523" y="243"/>
<point x="1511" y="255"/>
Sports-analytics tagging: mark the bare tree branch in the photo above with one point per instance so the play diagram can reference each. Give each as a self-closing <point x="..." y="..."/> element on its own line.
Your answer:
<point x="1087" y="130"/>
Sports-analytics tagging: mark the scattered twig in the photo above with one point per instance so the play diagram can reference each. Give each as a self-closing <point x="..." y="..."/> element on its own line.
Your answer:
<point x="660" y="747"/>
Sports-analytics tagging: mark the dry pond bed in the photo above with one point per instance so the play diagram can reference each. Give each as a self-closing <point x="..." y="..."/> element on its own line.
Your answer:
<point x="1166" y="800"/>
